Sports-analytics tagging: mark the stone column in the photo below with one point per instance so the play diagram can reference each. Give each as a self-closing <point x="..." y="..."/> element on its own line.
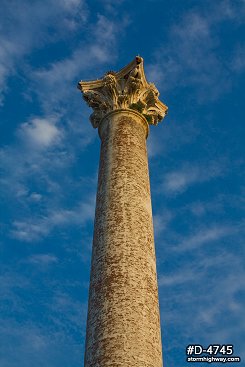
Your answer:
<point x="123" y="324"/>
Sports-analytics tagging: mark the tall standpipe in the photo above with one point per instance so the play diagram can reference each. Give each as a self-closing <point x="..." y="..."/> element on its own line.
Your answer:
<point x="123" y="323"/>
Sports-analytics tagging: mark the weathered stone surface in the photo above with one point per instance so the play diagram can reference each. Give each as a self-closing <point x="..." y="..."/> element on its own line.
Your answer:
<point x="123" y="326"/>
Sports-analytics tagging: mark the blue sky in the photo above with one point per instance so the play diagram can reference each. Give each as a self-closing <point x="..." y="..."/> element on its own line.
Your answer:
<point x="194" y="52"/>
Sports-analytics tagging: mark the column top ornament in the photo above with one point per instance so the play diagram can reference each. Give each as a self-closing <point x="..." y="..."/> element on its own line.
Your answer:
<point x="125" y="89"/>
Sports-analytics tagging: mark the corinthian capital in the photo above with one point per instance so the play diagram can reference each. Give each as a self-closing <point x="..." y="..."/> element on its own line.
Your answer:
<point x="126" y="89"/>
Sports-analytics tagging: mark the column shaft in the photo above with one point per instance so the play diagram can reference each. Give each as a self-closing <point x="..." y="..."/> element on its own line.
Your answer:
<point x="123" y="327"/>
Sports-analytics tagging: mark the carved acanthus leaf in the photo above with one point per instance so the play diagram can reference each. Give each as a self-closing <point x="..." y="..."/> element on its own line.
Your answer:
<point x="126" y="89"/>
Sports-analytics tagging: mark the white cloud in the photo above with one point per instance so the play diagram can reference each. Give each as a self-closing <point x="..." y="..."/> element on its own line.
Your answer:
<point x="204" y="236"/>
<point x="43" y="259"/>
<point x="180" y="180"/>
<point x="35" y="228"/>
<point x="29" y="231"/>
<point x="34" y="196"/>
<point x="174" y="279"/>
<point x="40" y="132"/>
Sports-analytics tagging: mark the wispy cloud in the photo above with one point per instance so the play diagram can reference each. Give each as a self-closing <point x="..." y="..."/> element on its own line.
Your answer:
<point x="219" y="205"/>
<point x="180" y="180"/>
<point x="203" y="286"/>
<point x="238" y="58"/>
<point x="170" y="137"/>
<point x="54" y="329"/>
<point x="35" y="175"/>
<point x="63" y="75"/>
<point x="33" y="19"/>
<point x="38" y="148"/>
<point x="197" y="270"/>
<point x="175" y="279"/>
<point x="161" y="221"/>
<point x="37" y="166"/>
<point x="205" y="236"/>
<point x="35" y="228"/>
<point x="53" y="344"/>
<point x="190" y="57"/>
<point x="42" y="259"/>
